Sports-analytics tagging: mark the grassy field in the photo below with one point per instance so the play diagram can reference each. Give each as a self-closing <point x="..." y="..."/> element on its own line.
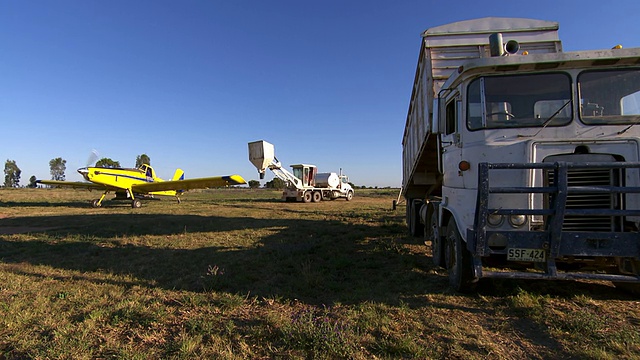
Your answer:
<point x="238" y="274"/>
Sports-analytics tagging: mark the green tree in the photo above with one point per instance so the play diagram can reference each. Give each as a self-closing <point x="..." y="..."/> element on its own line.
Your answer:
<point x="142" y="159"/>
<point x="32" y="182"/>
<point x="254" y="184"/>
<point x="11" y="174"/>
<point x="57" y="167"/>
<point x="107" y="163"/>
<point x="276" y="183"/>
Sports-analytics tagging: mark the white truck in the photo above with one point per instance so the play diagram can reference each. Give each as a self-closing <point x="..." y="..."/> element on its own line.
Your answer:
<point x="521" y="160"/>
<point x="305" y="183"/>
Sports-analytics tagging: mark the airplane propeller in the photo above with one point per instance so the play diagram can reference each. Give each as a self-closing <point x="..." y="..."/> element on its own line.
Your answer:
<point x="92" y="158"/>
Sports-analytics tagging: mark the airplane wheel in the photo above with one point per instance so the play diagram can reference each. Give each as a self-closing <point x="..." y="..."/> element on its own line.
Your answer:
<point x="317" y="196"/>
<point x="136" y="203"/>
<point x="96" y="203"/>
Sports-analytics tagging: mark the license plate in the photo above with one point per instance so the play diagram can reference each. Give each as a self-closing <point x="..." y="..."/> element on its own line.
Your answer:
<point x="520" y="254"/>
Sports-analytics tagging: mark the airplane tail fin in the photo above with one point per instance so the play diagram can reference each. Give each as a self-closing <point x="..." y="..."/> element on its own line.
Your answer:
<point x="179" y="175"/>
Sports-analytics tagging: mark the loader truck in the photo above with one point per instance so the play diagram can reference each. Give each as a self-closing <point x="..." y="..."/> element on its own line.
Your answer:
<point x="305" y="184"/>
<point x="521" y="160"/>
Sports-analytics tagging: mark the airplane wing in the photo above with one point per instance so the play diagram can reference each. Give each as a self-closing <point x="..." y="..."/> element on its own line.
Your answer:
<point x="73" y="184"/>
<point x="198" y="183"/>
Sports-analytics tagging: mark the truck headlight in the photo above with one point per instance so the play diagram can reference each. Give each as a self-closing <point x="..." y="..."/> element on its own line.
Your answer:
<point x="517" y="220"/>
<point x="495" y="219"/>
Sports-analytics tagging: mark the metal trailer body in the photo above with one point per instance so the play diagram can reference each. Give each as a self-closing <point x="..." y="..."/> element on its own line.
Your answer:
<point x="305" y="184"/>
<point x="525" y="165"/>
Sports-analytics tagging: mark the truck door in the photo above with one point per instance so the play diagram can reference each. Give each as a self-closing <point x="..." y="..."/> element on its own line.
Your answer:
<point x="451" y="142"/>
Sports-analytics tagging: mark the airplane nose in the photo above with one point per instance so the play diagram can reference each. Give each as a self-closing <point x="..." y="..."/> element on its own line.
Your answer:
<point x="84" y="172"/>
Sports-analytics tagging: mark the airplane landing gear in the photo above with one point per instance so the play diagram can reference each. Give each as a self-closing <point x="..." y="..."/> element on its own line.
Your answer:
<point x="97" y="203"/>
<point x="136" y="203"/>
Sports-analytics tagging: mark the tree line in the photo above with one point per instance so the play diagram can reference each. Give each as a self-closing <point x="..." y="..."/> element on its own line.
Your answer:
<point x="57" y="167"/>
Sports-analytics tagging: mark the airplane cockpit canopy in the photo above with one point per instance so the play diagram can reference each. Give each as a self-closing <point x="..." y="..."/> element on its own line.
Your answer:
<point x="148" y="170"/>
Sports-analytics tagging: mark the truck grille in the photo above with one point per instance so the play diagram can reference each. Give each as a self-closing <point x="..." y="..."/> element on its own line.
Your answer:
<point x="595" y="200"/>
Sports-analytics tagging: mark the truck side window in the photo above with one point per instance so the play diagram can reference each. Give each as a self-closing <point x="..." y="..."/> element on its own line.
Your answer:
<point x="450" y="124"/>
<point x="610" y="96"/>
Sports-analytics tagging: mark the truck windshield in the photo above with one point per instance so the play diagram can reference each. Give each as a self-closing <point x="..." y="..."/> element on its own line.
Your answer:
<point x="519" y="101"/>
<point x="610" y="97"/>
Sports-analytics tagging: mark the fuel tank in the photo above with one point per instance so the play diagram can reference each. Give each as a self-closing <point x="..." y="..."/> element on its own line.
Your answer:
<point x="331" y="180"/>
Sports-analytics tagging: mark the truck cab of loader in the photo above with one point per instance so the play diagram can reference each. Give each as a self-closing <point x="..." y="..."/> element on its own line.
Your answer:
<point x="344" y="182"/>
<point x="306" y="173"/>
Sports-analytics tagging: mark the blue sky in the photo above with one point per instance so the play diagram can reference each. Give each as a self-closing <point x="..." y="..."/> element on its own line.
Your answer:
<point x="190" y="83"/>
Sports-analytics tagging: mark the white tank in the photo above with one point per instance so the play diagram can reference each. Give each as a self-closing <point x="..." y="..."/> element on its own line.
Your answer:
<point x="331" y="180"/>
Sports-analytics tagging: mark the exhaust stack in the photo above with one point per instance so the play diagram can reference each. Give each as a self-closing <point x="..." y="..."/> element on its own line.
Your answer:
<point x="498" y="48"/>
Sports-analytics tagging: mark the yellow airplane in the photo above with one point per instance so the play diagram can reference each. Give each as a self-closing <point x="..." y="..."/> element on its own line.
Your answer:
<point x="134" y="184"/>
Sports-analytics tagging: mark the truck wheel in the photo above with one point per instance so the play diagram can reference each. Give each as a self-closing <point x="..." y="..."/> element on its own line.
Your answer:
<point x="349" y="195"/>
<point x="458" y="260"/>
<point x="432" y="233"/>
<point x="317" y="196"/>
<point x="416" y="228"/>
<point x="307" y="197"/>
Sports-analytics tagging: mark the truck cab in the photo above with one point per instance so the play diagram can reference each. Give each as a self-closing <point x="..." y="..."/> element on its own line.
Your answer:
<point x="526" y="164"/>
<point x="306" y="173"/>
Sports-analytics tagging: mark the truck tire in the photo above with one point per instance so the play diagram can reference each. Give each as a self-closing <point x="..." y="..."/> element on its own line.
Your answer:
<point x="432" y="233"/>
<point x="317" y="196"/>
<point x="349" y="195"/>
<point x="459" y="261"/>
<point x="416" y="228"/>
<point x="307" y="197"/>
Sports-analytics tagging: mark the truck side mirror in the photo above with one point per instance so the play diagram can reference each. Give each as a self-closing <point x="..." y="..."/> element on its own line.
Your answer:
<point x="435" y="118"/>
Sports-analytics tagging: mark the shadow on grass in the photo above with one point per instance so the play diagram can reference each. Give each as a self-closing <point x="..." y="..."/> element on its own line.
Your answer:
<point x="72" y="204"/>
<point x="314" y="261"/>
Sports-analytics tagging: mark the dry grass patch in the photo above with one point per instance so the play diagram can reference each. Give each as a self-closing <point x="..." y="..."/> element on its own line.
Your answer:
<point x="235" y="274"/>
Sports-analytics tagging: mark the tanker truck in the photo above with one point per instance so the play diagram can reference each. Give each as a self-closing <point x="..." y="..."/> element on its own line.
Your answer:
<point x="305" y="183"/>
<point x="521" y="160"/>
